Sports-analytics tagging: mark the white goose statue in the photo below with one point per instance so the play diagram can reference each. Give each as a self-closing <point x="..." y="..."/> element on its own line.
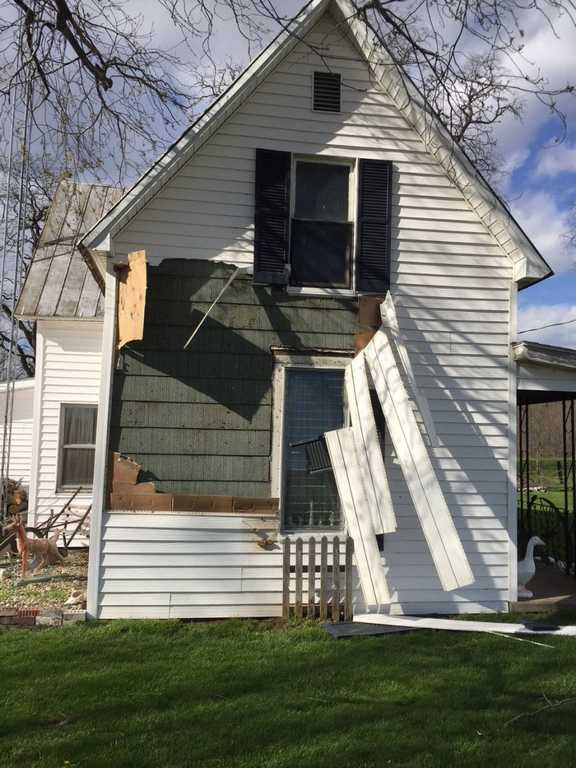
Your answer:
<point x="527" y="567"/>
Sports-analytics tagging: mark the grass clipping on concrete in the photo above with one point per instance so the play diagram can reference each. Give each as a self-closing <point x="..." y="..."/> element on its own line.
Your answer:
<point x="242" y="694"/>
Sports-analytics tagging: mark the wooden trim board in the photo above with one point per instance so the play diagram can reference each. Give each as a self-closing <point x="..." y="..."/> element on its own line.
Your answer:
<point x="350" y="484"/>
<point x="101" y="452"/>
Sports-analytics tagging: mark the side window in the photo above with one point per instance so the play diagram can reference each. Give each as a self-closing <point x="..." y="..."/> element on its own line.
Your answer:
<point x="322" y="226"/>
<point x="313" y="404"/>
<point x="77" y="446"/>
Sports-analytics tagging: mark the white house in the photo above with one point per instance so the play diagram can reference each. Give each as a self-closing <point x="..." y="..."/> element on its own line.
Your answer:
<point x="18" y="450"/>
<point x="323" y="176"/>
<point x="65" y="300"/>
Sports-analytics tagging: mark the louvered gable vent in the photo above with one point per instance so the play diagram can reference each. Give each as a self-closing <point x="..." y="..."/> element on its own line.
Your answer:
<point x="374" y="226"/>
<point x="327" y="91"/>
<point x="272" y="217"/>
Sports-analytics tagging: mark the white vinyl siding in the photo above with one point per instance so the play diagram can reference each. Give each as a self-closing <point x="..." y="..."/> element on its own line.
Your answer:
<point x="450" y="279"/>
<point x="17" y="461"/>
<point x="546" y="378"/>
<point x="69" y="373"/>
<point x="191" y="566"/>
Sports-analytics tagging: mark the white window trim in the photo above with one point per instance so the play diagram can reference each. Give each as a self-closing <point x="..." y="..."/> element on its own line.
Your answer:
<point x="284" y="361"/>
<point x="352" y="163"/>
<point x="62" y="489"/>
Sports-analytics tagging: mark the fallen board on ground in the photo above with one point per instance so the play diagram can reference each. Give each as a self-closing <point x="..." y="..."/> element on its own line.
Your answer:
<point x="350" y="629"/>
<point x="456" y="625"/>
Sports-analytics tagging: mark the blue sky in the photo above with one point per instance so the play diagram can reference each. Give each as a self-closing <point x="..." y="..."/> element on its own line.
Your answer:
<point x="540" y="183"/>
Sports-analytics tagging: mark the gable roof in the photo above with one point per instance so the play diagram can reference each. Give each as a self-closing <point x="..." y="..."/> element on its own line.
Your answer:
<point x="529" y="265"/>
<point x="59" y="282"/>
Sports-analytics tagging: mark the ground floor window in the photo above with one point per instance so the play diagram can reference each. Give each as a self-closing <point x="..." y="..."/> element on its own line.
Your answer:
<point x="77" y="446"/>
<point x="313" y="404"/>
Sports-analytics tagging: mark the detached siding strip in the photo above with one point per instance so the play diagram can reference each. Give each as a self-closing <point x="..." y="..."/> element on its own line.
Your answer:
<point x="349" y="482"/>
<point x="368" y="447"/>
<point x="445" y="546"/>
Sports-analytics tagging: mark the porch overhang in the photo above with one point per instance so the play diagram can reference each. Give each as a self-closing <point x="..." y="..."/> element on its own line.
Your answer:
<point x="545" y="373"/>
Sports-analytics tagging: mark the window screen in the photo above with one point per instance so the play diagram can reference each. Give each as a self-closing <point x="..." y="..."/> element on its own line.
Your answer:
<point x="313" y="405"/>
<point x="322" y="191"/>
<point x="78" y="438"/>
<point x="321" y="242"/>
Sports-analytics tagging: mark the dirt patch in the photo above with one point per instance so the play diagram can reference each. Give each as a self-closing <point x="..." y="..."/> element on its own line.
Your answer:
<point x="62" y="580"/>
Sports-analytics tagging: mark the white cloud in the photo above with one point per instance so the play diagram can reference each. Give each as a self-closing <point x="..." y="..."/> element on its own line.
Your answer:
<point x="549" y="53"/>
<point x="547" y="225"/>
<point x="534" y="316"/>
<point x="555" y="160"/>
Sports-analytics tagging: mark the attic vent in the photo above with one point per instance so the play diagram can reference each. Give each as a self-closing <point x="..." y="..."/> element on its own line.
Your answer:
<point x="327" y="88"/>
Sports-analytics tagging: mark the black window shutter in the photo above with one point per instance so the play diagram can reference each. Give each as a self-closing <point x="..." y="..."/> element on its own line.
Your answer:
<point x="272" y="217"/>
<point x="374" y="226"/>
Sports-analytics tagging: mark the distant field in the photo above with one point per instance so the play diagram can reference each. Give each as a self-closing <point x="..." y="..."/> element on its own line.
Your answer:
<point x="547" y="473"/>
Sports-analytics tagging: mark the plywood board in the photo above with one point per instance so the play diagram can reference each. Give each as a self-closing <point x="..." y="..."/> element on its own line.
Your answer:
<point x="348" y="476"/>
<point x="441" y="535"/>
<point x="368" y="447"/>
<point x="132" y="299"/>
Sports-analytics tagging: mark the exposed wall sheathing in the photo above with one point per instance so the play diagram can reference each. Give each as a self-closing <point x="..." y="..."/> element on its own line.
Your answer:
<point x="199" y="421"/>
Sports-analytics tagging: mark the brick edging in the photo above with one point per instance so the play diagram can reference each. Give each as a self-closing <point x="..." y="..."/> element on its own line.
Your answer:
<point x="40" y="617"/>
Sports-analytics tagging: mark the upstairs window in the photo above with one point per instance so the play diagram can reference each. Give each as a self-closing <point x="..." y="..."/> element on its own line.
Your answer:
<point x="322" y="225"/>
<point x="77" y="446"/>
<point x="327" y="92"/>
<point x="317" y="228"/>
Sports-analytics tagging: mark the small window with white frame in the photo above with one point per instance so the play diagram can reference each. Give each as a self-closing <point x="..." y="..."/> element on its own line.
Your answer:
<point x="77" y="446"/>
<point x="311" y="399"/>
<point x="322" y="223"/>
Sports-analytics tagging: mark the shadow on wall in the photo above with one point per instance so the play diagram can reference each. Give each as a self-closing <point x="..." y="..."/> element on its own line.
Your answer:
<point x="201" y="419"/>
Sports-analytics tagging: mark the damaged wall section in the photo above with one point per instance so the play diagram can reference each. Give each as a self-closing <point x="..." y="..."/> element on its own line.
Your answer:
<point x="199" y="421"/>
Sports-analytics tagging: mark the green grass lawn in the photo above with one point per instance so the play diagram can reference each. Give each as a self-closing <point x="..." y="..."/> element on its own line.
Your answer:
<point x="257" y="694"/>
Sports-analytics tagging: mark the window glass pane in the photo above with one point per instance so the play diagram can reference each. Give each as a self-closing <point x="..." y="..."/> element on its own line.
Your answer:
<point x="313" y="405"/>
<point x="77" y="466"/>
<point x="320" y="254"/>
<point x="79" y="425"/>
<point x="322" y="191"/>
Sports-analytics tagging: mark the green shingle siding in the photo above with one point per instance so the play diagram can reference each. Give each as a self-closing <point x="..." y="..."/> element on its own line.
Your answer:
<point x="200" y="421"/>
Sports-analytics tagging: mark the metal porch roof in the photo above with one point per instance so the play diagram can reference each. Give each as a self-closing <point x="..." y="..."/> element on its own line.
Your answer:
<point x="59" y="283"/>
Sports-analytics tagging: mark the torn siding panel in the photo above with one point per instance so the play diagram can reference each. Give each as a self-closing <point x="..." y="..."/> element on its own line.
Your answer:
<point x="443" y="541"/>
<point x="357" y="514"/>
<point x="369" y="447"/>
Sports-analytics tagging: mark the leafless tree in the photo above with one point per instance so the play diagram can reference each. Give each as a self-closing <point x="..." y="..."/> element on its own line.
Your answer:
<point x="42" y="181"/>
<point x="101" y="82"/>
<point x="107" y="96"/>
